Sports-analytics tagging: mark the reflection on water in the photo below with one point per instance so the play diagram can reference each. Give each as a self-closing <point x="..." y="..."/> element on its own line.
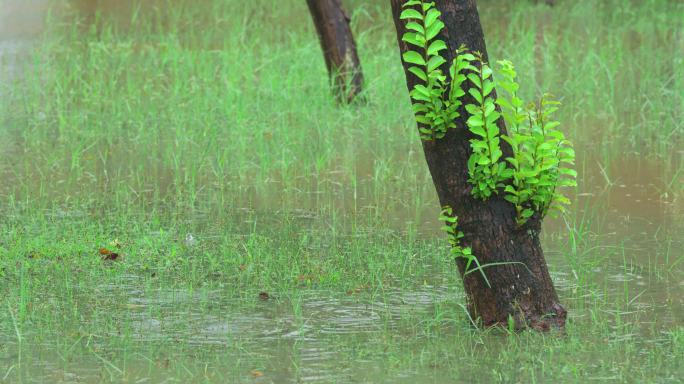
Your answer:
<point x="325" y="313"/>
<point x="312" y="330"/>
<point x="20" y="23"/>
<point x="315" y="337"/>
<point x="22" y="19"/>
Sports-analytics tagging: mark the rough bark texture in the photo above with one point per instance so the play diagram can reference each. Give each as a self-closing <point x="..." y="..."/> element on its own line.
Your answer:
<point x="339" y="48"/>
<point x="526" y="294"/>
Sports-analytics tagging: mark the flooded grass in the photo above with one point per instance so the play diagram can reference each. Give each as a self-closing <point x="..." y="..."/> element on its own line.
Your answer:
<point x="359" y="306"/>
<point x="265" y="234"/>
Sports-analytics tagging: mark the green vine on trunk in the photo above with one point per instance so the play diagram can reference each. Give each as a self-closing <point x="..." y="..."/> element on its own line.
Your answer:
<point x="451" y="228"/>
<point x="466" y="253"/>
<point x="541" y="155"/>
<point x="435" y="111"/>
<point x="487" y="173"/>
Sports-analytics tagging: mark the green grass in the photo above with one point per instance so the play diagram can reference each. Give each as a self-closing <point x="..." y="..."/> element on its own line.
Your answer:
<point x="379" y="305"/>
<point x="216" y="120"/>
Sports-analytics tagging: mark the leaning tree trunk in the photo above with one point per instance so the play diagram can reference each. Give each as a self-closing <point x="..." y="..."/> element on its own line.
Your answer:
<point x="339" y="48"/>
<point x="524" y="294"/>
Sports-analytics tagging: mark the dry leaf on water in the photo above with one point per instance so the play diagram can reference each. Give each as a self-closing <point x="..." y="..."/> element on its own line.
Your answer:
<point x="108" y="255"/>
<point x="256" y="373"/>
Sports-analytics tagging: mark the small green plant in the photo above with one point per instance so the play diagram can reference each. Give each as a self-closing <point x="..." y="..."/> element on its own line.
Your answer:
<point x="435" y="111"/>
<point x="541" y="154"/>
<point x="451" y="228"/>
<point x="553" y="155"/>
<point x="455" y="235"/>
<point x="518" y="192"/>
<point x="487" y="173"/>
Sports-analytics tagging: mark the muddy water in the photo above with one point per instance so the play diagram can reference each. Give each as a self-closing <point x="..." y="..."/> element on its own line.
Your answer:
<point x="21" y="19"/>
<point x="21" y="22"/>
<point x="308" y="347"/>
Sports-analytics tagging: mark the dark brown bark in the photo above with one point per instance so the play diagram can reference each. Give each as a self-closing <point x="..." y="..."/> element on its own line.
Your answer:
<point x="339" y="48"/>
<point x="526" y="294"/>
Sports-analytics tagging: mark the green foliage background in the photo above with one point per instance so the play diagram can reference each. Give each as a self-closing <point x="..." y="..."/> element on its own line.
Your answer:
<point x="217" y="120"/>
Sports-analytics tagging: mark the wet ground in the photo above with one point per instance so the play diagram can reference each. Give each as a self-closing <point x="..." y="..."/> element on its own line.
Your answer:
<point x="624" y="243"/>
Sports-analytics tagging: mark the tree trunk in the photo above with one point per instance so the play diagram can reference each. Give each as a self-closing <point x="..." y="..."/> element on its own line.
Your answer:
<point x="339" y="48"/>
<point x="526" y="293"/>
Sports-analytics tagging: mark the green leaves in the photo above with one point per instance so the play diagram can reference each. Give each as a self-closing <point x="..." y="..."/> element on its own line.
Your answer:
<point x="486" y="173"/>
<point x="419" y="72"/>
<point x="432" y="19"/>
<point x="455" y="235"/>
<point x="436" y="111"/>
<point x="410" y="14"/>
<point x="434" y="63"/>
<point x="434" y="29"/>
<point x="414" y="39"/>
<point x="541" y="154"/>
<point x="435" y="47"/>
<point x="541" y="158"/>
<point x="414" y="57"/>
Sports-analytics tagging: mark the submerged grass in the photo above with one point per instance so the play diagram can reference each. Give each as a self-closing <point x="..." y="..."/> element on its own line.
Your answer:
<point x="355" y="306"/>
<point x="148" y="121"/>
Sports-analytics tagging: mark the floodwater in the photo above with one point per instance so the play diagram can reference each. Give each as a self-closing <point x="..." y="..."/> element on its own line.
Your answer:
<point x="635" y="238"/>
<point x="330" y="328"/>
<point x="21" y="22"/>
